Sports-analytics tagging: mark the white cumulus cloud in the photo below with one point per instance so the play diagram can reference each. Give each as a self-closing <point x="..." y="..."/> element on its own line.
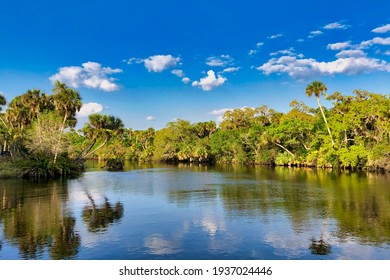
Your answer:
<point x="159" y="63"/>
<point x="221" y="61"/>
<point x="151" y="118"/>
<point x="375" y="41"/>
<point x="339" y="46"/>
<point x="382" y="29"/>
<point x="336" y="25"/>
<point x="350" y="53"/>
<point x="346" y="63"/>
<point x="210" y="81"/>
<point x="90" y="108"/>
<point x="178" y="73"/>
<point x="186" y="80"/>
<point x="91" y="75"/>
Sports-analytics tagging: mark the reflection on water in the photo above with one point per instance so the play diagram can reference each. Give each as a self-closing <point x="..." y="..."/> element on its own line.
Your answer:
<point x="99" y="218"/>
<point x="320" y="247"/>
<point x="198" y="212"/>
<point x="34" y="220"/>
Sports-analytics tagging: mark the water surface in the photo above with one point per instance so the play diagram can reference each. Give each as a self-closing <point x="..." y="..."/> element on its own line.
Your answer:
<point x="198" y="212"/>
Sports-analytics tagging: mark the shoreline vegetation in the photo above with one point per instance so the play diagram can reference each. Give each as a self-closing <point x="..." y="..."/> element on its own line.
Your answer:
<point x="38" y="139"/>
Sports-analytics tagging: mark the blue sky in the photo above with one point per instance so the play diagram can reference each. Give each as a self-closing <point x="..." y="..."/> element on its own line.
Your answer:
<point x="150" y="62"/>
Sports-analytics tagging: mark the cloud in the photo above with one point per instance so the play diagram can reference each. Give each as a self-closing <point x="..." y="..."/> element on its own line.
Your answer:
<point x="186" y="80"/>
<point x="302" y="69"/>
<point x="259" y="44"/>
<point x="375" y="41"/>
<point x="159" y="63"/>
<point x="219" y="113"/>
<point x="178" y="73"/>
<point x="275" y="36"/>
<point x="339" y="46"/>
<point x="283" y="52"/>
<point x="231" y="69"/>
<point x="387" y="53"/>
<point x="350" y="53"/>
<point x="134" y="60"/>
<point x="252" y="52"/>
<point x="336" y="25"/>
<point x="90" y="108"/>
<point x="210" y="81"/>
<point x="157" y="245"/>
<point x="151" y="118"/>
<point x="91" y="75"/>
<point x="382" y="29"/>
<point x="315" y="33"/>
<point x="221" y="61"/>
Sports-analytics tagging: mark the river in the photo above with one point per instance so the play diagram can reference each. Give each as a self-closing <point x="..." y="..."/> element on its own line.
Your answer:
<point x="197" y="212"/>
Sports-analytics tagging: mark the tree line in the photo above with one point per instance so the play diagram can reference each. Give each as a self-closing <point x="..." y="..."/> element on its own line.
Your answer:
<point x="37" y="132"/>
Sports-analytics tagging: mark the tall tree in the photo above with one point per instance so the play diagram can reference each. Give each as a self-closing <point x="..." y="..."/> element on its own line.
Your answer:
<point x="318" y="88"/>
<point x="100" y="127"/>
<point x="67" y="102"/>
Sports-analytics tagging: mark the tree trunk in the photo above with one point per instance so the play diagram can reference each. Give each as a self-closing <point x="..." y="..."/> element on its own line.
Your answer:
<point x="326" y="122"/>
<point x="100" y="146"/>
<point x="284" y="148"/>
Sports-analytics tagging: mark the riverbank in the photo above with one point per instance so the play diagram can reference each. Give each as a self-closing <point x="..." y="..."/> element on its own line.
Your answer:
<point x="28" y="169"/>
<point x="37" y="168"/>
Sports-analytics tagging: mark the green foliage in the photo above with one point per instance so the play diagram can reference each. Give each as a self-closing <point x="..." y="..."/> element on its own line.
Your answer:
<point x="40" y="166"/>
<point x="183" y="141"/>
<point x="354" y="134"/>
<point x="284" y="159"/>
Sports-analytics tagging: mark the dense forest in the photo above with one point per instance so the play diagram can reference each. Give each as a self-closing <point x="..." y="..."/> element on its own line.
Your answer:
<point x="38" y="137"/>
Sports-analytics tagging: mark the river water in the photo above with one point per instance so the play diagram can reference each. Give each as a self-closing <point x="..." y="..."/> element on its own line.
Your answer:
<point x="198" y="212"/>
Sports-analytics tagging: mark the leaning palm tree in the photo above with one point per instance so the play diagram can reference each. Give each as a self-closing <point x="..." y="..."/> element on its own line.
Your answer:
<point x="318" y="88"/>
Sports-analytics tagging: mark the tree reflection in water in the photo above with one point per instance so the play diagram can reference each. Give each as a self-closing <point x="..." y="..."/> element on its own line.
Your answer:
<point x="99" y="218"/>
<point x="36" y="221"/>
<point x="320" y="247"/>
<point x="66" y="241"/>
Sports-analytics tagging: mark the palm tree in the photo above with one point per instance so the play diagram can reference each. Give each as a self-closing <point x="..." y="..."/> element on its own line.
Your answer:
<point x="100" y="127"/>
<point x="318" y="88"/>
<point x="67" y="102"/>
